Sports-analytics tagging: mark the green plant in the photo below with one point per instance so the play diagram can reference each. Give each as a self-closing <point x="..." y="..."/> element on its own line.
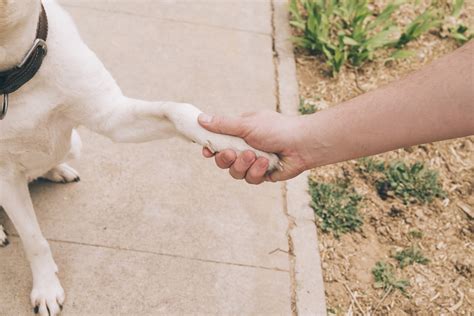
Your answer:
<point x="336" y="204"/>
<point x="306" y="107"/>
<point x="456" y="30"/>
<point x="421" y="24"/>
<point x="410" y="256"/>
<point x="385" y="278"/>
<point x="418" y="234"/>
<point x="343" y="30"/>
<point x="368" y="165"/>
<point x="410" y="182"/>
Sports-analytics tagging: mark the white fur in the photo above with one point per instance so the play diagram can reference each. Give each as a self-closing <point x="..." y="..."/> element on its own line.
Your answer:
<point x="72" y="88"/>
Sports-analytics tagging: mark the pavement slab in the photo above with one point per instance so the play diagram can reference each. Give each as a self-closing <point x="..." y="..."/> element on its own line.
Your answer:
<point x="101" y="281"/>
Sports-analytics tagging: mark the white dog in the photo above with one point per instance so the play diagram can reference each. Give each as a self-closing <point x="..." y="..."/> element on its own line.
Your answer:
<point x="37" y="134"/>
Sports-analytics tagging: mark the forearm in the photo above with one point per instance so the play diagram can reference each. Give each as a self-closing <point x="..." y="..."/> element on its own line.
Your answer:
<point x="433" y="104"/>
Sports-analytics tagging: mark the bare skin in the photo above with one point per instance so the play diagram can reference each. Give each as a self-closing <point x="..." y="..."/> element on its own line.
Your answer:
<point x="433" y="104"/>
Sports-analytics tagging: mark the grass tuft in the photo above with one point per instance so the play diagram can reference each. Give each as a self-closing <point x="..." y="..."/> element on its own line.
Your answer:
<point x="410" y="182"/>
<point x="352" y="31"/>
<point x="418" y="234"/>
<point x="385" y="278"/>
<point x="410" y="256"/>
<point x="369" y="165"/>
<point x="336" y="204"/>
<point x="306" y="107"/>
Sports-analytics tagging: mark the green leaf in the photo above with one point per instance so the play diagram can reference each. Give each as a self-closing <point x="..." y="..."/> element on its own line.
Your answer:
<point x="402" y="54"/>
<point x="457" y="7"/>
<point x="350" y="41"/>
<point x="460" y="37"/>
<point x="383" y="38"/>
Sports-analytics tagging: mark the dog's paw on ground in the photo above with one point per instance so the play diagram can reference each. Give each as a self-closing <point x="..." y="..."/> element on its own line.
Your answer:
<point x="62" y="173"/>
<point x="3" y="237"/>
<point x="48" y="298"/>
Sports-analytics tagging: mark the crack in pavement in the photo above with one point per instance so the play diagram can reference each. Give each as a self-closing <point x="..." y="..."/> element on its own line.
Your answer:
<point x="157" y="253"/>
<point x="234" y="29"/>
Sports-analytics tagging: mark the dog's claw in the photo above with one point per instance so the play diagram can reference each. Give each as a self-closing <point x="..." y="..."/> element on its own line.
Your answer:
<point x="36" y="309"/>
<point x="3" y="237"/>
<point x="209" y="146"/>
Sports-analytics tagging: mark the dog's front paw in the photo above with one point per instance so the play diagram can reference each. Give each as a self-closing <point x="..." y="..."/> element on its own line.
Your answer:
<point x="62" y="173"/>
<point x="3" y="237"/>
<point x="216" y="143"/>
<point x="47" y="296"/>
<point x="185" y="119"/>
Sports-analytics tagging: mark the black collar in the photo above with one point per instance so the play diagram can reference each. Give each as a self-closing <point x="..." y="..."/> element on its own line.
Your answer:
<point x="14" y="78"/>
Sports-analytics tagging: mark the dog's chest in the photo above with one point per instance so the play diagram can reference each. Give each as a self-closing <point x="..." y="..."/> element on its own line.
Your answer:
<point x="35" y="141"/>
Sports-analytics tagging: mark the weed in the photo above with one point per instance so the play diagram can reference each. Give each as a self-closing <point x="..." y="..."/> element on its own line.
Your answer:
<point x="349" y="31"/>
<point x="456" y="30"/>
<point x="421" y="24"/>
<point x="385" y="278"/>
<point x="342" y="30"/>
<point x="418" y="234"/>
<point x="410" y="183"/>
<point x="336" y="204"/>
<point x="306" y="107"/>
<point x="370" y="165"/>
<point x="410" y="256"/>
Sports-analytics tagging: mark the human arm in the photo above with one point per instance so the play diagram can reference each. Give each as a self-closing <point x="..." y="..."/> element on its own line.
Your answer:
<point x="435" y="103"/>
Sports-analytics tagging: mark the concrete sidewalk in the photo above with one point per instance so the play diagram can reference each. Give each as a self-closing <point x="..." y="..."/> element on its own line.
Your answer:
<point x="155" y="228"/>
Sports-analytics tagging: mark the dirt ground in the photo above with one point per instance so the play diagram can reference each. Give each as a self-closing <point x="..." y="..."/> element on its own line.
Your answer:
<point x="445" y="284"/>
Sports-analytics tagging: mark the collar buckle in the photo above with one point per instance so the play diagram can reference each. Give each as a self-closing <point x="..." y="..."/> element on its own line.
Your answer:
<point x="37" y="43"/>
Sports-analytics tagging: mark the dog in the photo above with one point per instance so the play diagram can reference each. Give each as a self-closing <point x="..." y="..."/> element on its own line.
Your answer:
<point x="69" y="87"/>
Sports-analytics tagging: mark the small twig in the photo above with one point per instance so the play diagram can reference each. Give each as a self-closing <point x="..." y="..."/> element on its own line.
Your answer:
<point x="356" y="72"/>
<point x="458" y="304"/>
<point x="354" y="298"/>
<point x="383" y="298"/>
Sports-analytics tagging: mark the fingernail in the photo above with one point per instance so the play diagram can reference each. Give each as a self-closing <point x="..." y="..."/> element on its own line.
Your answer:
<point x="205" y="118"/>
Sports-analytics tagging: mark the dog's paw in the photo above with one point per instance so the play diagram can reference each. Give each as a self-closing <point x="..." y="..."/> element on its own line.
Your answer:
<point x="217" y="142"/>
<point x="185" y="119"/>
<point x="62" y="173"/>
<point x="3" y="237"/>
<point x="48" y="297"/>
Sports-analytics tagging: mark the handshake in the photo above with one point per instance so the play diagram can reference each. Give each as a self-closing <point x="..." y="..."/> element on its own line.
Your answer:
<point x="266" y="131"/>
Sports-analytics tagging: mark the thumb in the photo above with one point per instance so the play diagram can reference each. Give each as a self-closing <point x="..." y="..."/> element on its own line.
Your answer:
<point x="222" y="124"/>
<point x="275" y="176"/>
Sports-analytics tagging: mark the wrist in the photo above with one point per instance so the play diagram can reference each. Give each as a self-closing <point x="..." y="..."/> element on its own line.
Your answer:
<point x="315" y="141"/>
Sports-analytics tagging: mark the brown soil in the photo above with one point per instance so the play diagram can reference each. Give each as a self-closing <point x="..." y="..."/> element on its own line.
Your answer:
<point x="445" y="284"/>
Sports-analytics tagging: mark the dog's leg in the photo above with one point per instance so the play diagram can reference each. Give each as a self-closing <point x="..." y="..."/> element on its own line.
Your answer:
<point x="47" y="295"/>
<point x="129" y="120"/>
<point x="63" y="173"/>
<point x="3" y="237"/>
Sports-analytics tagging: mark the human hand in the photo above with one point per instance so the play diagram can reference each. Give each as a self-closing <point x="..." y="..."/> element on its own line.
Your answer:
<point x="267" y="131"/>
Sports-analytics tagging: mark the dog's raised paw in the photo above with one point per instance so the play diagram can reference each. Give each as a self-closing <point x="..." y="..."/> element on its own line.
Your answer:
<point x="62" y="173"/>
<point x="3" y="237"/>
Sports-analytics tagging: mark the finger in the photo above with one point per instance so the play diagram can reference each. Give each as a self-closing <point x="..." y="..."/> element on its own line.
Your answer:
<point x="239" y="169"/>
<point x="207" y="153"/>
<point x="225" y="159"/>
<point x="278" y="175"/>
<point x="256" y="173"/>
<point x="222" y="124"/>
